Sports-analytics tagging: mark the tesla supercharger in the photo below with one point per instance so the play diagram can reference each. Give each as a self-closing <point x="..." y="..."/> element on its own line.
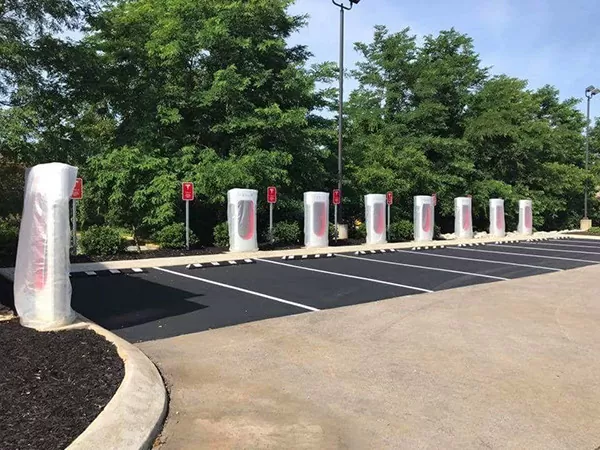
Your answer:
<point x="497" y="225"/>
<point x="41" y="283"/>
<point x="525" y="217"/>
<point x="423" y="217"/>
<point x="463" y="222"/>
<point x="316" y="219"/>
<point x="375" y="207"/>
<point x="241" y="219"/>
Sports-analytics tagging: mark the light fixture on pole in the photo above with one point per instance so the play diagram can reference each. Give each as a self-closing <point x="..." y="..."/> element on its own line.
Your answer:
<point x="343" y="8"/>
<point x="590" y="91"/>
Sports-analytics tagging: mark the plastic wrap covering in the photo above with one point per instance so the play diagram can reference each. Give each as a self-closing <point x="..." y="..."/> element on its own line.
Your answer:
<point x="316" y="219"/>
<point x="463" y="222"/>
<point x="241" y="219"/>
<point x="375" y="206"/>
<point x="525" y="217"/>
<point x="423" y="217"/>
<point x="41" y="286"/>
<point x="497" y="226"/>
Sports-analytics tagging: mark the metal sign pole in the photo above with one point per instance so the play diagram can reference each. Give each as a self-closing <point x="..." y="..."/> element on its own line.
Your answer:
<point x="271" y="222"/>
<point x="335" y="220"/>
<point x="388" y="222"/>
<point x="187" y="224"/>
<point x="74" y="227"/>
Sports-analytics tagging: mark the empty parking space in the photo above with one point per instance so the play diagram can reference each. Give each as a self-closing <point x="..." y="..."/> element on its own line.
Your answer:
<point x="516" y="256"/>
<point x="413" y="276"/>
<point x="168" y="301"/>
<point x="157" y="305"/>
<point x="315" y="289"/>
<point x="445" y="259"/>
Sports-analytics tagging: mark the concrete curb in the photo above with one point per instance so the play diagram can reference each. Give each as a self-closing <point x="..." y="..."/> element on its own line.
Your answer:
<point x="134" y="416"/>
<point x="220" y="257"/>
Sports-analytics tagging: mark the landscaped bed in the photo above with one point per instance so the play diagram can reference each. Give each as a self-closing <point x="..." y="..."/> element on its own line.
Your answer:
<point x="52" y="384"/>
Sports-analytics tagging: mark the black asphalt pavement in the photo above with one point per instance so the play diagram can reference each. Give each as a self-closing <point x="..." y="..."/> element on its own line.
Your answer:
<point x="169" y="301"/>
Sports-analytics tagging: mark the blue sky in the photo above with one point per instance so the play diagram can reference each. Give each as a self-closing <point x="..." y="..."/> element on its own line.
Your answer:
<point x="542" y="41"/>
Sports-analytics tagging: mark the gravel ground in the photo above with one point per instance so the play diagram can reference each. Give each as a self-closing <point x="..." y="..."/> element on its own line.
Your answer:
<point x="52" y="385"/>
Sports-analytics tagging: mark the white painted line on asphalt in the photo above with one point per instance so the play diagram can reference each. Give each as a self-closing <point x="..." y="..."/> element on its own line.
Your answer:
<point x="239" y="289"/>
<point x="529" y="255"/>
<point x="426" y="267"/>
<point x="114" y="271"/>
<point x="345" y="275"/>
<point x="567" y="245"/>
<point x="483" y="260"/>
<point x="546" y="249"/>
<point x="91" y="273"/>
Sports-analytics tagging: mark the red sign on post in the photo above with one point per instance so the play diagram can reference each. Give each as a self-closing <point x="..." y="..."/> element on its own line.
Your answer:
<point x="272" y="194"/>
<point x="337" y="197"/>
<point x="187" y="191"/>
<point x="434" y="197"/>
<point x="77" y="190"/>
<point x="389" y="197"/>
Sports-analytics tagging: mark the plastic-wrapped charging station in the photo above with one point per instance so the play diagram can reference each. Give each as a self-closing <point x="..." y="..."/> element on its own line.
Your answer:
<point x="316" y="219"/>
<point x="375" y="206"/>
<point x="41" y="284"/>
<point x="241" y="219"/>
<point x="525" y="217"/>
<point x="423" y="217"/>
<point x="463" y="213"/>
<point x="497" y="224"/>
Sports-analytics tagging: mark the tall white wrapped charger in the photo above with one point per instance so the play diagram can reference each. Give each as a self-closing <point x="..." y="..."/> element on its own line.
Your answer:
<point x="463" y="213"/>
<point x="497" y="222"/>
<point x="41" y="285"/>
<point x="525" y="217"/>
<point x="316" y="219"/>
<point x="423" y="214"/>
<point x="375" y="206"/>
<point x="241" y="219"/>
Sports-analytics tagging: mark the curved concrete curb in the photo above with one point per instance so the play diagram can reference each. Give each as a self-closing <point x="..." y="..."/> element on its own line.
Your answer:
<point x="134" y="416"/>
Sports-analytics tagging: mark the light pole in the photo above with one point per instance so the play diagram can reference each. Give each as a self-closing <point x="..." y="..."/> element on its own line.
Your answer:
<point x="343" y="8"/>
<point x="590" y="91"/>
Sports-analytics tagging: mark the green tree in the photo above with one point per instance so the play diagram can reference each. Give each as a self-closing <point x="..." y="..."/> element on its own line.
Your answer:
<point x="213" y="88"/>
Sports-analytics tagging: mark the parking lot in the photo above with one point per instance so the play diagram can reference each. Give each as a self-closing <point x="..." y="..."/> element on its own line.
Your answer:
<point x="162" y="302"/>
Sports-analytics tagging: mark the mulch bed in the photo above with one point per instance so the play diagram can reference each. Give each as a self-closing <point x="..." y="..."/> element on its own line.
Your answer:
<point x="52" y="385"/>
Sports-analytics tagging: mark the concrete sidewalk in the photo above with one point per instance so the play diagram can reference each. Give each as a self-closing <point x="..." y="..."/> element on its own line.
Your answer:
<point x="508" y="365"/>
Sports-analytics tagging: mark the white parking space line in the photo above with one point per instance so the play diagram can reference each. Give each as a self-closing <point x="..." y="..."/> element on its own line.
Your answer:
<point x="529" y="255"/>
<point x="393" y="263"/>
<point x="239" y="289"/>
<point x="554" y="244"/>
<point x="531" y="266"/>
<point x="544" y="249"/>
<point x="345" y="275"/>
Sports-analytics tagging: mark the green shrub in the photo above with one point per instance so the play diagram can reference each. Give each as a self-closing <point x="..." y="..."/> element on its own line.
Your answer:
<point x="358" y="232"/>
<point x="221" y="235"/>
<point x="9" y="235"/>
<point x="402" y="230"/>
<point x="594" y="230"/>
<point x="173" y="236"/>
<point x="331" y="232"/>
<point x="101" y="241"/>
<point x="286" y="233"/>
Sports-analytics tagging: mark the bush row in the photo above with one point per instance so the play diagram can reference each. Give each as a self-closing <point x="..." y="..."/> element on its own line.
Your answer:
<point x="107" y="241"/>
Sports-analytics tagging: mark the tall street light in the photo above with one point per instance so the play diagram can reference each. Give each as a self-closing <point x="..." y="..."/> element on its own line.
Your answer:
<point x="590" y="91"/>
<point x="343" y="8"/>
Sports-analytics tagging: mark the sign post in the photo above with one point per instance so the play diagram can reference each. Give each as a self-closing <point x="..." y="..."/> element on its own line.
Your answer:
<point x="187" y="195"/>
<point x="76" y="195"/>
<point x="389" y="197"/>
<point x="272" y="199"/>
<point x="434" y="197"/>
<point x="337" y="199"/>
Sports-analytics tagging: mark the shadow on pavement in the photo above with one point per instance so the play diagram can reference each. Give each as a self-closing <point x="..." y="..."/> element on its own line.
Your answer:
<point x="130" y="301"/>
